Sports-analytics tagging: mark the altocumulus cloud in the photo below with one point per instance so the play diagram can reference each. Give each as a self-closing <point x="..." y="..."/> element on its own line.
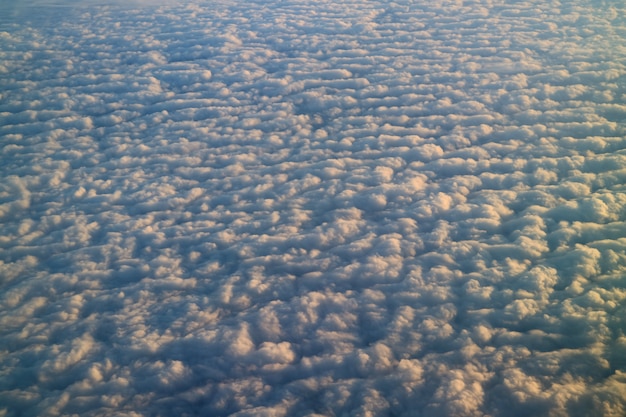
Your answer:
<point x="313" y="208"/>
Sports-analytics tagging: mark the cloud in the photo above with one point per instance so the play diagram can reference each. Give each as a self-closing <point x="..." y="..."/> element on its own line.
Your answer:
<point x="294" y="209"/>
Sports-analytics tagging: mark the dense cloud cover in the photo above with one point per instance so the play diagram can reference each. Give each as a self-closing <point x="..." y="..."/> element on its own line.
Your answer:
<point x="308" y="208"/>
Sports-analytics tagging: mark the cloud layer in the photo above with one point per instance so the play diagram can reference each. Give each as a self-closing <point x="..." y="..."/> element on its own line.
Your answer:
<point x="313" y="208"/>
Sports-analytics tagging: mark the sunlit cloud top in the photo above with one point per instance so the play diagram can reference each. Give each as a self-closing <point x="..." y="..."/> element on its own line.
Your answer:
<point x="312" y="208"/>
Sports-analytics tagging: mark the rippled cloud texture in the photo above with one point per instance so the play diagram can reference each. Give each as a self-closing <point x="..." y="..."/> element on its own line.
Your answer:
<point x="307" y="208"/>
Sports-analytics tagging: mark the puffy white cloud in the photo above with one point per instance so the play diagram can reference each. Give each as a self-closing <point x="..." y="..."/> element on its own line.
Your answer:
<point x="311" y="209"/>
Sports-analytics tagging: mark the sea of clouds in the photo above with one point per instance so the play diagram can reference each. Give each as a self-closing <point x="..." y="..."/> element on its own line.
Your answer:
<point x="313" y="208"/>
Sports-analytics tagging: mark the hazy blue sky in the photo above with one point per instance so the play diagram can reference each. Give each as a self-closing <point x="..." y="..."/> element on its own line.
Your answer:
<point x="313" y="208"/>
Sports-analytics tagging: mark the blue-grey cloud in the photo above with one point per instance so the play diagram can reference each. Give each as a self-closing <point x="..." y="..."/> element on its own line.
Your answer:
<point x="312" y="209"/>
